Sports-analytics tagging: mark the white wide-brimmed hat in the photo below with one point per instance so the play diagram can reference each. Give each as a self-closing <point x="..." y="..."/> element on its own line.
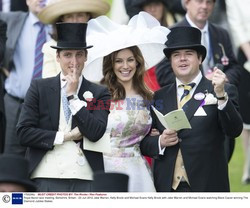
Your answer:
<point x="143" y="30"/>
<point x="56" y="8"/>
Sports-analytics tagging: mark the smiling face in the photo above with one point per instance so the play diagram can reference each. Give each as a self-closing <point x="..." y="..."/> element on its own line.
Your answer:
<point x="185" y="64"/>
<point x="70" y="59"/>
<point x="125" y="66"/>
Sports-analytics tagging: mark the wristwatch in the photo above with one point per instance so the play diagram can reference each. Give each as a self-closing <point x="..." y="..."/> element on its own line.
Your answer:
<point x="224" y="97"/>
<point x="72" y="97"/>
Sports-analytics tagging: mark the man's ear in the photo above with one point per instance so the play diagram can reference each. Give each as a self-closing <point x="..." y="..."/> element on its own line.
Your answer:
<point x="184" y="3"/>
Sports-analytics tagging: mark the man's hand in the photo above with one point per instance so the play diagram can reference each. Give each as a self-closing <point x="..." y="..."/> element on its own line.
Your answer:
<point x="154" y="132"/>
<point x="72" y="79"/>
<point x="219" y="80"/>
<point x="73" y="135"/>
<point x="169" y="138"/>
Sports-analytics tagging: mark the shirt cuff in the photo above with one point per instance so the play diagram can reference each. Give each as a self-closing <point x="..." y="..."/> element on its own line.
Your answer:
<point x="222" y="106"/>
<point x="161" y="151"/>
<point x="75" y="105"/>
<point x="59" y="138"/>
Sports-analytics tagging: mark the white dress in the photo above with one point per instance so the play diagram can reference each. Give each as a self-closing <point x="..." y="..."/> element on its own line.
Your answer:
<point x="128" y="123"/>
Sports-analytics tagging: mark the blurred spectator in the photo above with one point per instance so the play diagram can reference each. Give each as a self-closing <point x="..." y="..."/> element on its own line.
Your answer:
<point x="239" y="19"/>
<point x="13" y="5"/>
<point x="66" y="11"/>
<point x="21" y="63"/>
<point x="14" y="176"/>
<point x="163" y="10"/>
<point x="3" y="28"/>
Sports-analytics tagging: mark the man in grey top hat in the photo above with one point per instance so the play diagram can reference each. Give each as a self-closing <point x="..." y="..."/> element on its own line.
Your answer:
<point x="58" y="112"/>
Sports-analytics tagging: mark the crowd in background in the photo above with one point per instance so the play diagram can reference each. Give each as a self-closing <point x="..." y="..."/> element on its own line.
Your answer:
<point x="28" y="29"/>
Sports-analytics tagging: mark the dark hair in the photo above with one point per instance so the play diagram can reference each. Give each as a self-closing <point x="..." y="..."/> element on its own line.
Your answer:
<point x="59" y="50"/>
<point x="163" y="20"/>
<point x="115" y="87"/>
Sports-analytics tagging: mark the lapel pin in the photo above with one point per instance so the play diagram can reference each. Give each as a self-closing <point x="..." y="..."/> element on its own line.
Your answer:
<point x="224" y="58"/>
<point x="199" y="96"/>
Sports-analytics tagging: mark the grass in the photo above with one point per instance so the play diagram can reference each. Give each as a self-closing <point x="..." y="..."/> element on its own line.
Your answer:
<point x="236" y="169"/>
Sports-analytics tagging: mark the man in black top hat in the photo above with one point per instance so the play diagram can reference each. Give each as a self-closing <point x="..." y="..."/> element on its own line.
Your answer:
<point x="58" y="112"/>
<point x="14" y="174"/>
<point x="219" y="50"/>
<point x="193" y="159"/>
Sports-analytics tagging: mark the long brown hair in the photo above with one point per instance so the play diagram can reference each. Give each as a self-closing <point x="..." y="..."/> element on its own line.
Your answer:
<point x="116" y="88"/>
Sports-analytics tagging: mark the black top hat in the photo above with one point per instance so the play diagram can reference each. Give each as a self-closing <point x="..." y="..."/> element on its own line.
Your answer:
<point x="110" y="182"/>
<point x="133" y="7"/>
<point x="184" y="38"/>
<point x="14" y="169"/>
<point x="71" y="36"/>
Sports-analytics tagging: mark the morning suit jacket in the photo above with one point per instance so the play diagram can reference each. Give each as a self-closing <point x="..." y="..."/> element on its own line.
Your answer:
<point x="39" y="119"/>
<point x="202" y="146"/>
<point x="15" y="22"/>
<point x="217" y="35"/>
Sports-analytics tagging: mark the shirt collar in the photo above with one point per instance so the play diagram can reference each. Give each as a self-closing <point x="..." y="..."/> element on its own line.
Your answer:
<point x="205" y="29"/>
<point x="196" y="80"/>
<point x="33" y="18"/>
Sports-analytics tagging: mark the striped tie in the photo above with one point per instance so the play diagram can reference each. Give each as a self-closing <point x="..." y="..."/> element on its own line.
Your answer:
<point x="41" y="39"/>
<point x="65" y="103"/>
<point x="186" y="94"/>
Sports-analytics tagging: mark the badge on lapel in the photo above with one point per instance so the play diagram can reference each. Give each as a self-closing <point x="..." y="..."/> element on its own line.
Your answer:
<point x="200" y="111"/>
<point x="206" y="99"/>
<point x="224" y="59"/>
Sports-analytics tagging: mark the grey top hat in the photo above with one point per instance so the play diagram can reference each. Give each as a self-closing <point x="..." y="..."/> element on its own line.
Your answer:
<point x="184" y="38"/>
<point x="14" y="169"/>
<point x="71" y="36"/>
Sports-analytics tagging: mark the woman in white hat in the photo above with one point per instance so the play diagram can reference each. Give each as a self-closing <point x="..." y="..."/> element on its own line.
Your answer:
<point x="122" y="54"/>
<point x="77" y="11"/>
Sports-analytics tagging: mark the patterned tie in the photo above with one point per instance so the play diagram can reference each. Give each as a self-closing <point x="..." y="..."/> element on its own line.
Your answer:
<point x="41" y="39"/>
<point x="179" y="171"/>
<point x="65" y="103"/>
<point x="186" y="94"/>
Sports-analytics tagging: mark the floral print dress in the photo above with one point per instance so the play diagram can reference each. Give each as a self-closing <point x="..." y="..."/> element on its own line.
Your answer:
<point x="128" y="123"/>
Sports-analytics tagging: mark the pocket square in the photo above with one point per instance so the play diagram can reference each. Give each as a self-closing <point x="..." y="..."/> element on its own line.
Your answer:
<point x="210" y="99"/>
<point x="200" y="112"/>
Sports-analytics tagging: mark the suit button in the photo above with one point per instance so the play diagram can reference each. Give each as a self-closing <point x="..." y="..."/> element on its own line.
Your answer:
<point x="180" y="140"/>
